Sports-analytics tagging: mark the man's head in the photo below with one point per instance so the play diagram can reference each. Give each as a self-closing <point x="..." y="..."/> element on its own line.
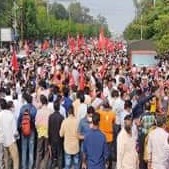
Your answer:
<point x="127" y="104"/>
<point x="128" y="121"/>
<point x="81" y="98"/>
<point x="71" y="110"/>
<point x="147" y="106"/>
<point x="96" y="119"/>
<point x="160" y="120"/>
<point x="56" y="105"/>
<point x="3" y="104"/>
<point x="43" y="100"/>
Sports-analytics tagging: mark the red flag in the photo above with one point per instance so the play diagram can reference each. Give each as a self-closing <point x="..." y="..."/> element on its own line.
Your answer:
<point x="14" y="62"/>
<point x="101" y="39"/>
<point x="72" y="45"/>
<point x="80" y="41"/>
<point x="111" y="47"/>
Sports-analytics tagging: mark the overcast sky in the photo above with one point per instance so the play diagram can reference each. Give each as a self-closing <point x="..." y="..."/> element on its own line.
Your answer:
<point x="119" y="13"/>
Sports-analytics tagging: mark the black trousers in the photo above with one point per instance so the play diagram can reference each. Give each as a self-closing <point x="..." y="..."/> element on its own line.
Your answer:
<point x="142" y="163"/>
<point x="57" y="155"/>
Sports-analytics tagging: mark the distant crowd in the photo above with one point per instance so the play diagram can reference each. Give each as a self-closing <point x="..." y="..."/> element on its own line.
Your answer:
<point x="83" y="109"/>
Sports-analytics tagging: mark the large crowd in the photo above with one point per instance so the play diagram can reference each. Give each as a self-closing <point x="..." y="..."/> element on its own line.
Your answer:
<point x="88" y="109"/>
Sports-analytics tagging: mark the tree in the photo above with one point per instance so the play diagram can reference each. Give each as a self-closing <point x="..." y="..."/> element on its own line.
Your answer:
<point x="155" y="24"/>
<point x="59" y="11"/>
<point x="30" y="21"/>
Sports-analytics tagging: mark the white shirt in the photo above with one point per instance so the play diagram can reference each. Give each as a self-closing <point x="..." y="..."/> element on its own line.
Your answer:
<point x="118" y="108"/>
<point x="127" y="157"/>
<point x="75" y="75"/>
<point x="159" y="148"/>
<point x="8" y="126"/>
<point x="82" y="111"/>
<point x="97" y="102"/>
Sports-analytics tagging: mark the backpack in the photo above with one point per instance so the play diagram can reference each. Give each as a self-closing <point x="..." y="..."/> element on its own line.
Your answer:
<point x="26" y="123"/>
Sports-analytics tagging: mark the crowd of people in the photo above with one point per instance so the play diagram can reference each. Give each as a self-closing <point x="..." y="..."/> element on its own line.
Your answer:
<point x="89" y="110"/>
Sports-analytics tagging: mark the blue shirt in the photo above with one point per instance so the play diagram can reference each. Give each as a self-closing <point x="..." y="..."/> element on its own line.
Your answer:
<point x="67" y="102"/>
<point x="83" y="129"/>
<point x="95" y="149"/>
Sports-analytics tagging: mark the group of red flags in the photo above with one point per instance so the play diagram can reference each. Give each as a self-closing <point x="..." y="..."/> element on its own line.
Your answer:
<point x="103" y="43"/>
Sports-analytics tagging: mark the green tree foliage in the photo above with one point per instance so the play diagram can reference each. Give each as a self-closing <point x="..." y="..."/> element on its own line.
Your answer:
<point x="40" y="20"/>
<point x="155" y="24"/>
<point x="58" y="11"/>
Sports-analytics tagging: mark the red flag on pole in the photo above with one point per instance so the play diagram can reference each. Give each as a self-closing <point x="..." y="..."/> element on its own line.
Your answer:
<point x="14" y="62"/>
<point x="101" y="39"/>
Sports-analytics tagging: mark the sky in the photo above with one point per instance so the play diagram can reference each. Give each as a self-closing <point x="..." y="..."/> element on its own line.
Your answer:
<point x="119" y="13"/>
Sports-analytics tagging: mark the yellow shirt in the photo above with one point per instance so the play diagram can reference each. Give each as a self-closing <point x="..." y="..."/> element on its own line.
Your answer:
<point x="153" y="105"/>
<point x="107" y="121"/>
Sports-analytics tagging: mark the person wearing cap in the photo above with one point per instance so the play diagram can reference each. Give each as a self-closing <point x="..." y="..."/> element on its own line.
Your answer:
<point x="158" y="147"/>
<point x="95" y="150"/>
<point x="127" y="157"/>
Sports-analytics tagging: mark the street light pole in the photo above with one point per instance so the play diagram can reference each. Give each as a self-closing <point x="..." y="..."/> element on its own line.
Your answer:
<point x="141" y="33"/>
<point x="22" y="13"/>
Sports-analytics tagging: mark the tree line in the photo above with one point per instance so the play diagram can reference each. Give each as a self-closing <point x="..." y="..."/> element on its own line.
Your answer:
<point x="153" y="18"/>
<point x="36" y="19"/>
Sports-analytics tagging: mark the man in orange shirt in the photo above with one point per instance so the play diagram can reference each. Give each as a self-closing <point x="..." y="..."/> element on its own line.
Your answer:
<point x="107" y="122"/>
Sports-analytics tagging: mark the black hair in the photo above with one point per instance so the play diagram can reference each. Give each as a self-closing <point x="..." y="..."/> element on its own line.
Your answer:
<point x="82" y="98"/>
<point x="96" y="119"/>
<point x="87" y="90"/>
<point x="66" y="91"/>
<point x="147" y="106"/>
<point x="15" y="95"/>
<point x="127" y="104"/>
<point x="71" y="110"/>
<point x="43" y="100"/>
<point x="3" y="104"/>
<point x="8" y="91"/>
<point x="56" y="105"/>
<point x="10" y="104"/>
<point x="160" y="120"/>
<point x="50" y="97"/>
<point x="28" y="98"/>
<point x="115" y="93"/>
<point x="90" y="110"/>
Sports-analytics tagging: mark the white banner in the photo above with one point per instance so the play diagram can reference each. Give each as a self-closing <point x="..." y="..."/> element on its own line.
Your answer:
<point x="6" y="34"/>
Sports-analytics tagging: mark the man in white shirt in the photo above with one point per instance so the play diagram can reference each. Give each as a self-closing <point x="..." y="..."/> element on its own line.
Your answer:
<point x="8" y="127"/>
<point x="82" y="110"/>
<point x="127" y="157"/>
<point x="158" y="147"/>
<point x="126" y="111"/>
